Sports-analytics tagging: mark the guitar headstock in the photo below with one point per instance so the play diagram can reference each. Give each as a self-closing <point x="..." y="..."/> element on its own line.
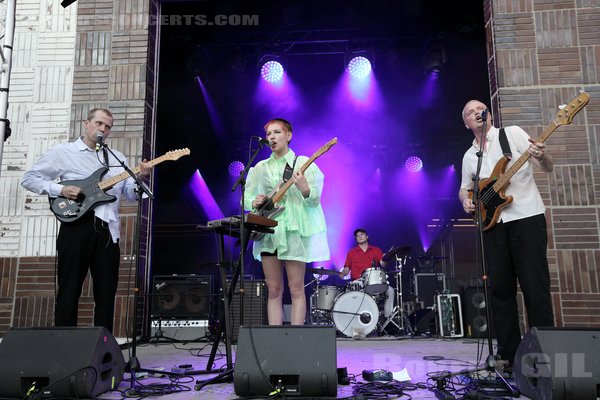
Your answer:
<point x="177" y="154"/>
<point x="325" y="147"/>
<point x="566" y="114"/>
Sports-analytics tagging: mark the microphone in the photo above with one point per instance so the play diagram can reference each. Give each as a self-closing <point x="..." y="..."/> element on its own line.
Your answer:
<point x="484" y="114"/>
<point x="99" y="141"/>
<point x="262" y="140"/>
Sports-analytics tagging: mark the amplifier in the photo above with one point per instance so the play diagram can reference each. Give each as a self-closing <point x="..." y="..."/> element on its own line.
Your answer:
<point x="181" y="297"/>
<point x="427" y="286"/>
<point x="184" y="330"/>
<point x="255" y="306"/>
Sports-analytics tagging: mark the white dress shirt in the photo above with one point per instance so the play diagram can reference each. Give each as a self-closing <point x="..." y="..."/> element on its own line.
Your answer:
<point x="75" y="161"/>
<point x="527" y="200"/>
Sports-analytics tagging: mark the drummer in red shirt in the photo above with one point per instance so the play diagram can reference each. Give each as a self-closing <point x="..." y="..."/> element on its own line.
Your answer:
<point x="363" y="257"/>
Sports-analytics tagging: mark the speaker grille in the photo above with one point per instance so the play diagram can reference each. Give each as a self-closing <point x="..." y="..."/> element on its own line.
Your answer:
<point x="182" y="297"/>
<point x="255" y="306"/>
<point x="476" y="323"/>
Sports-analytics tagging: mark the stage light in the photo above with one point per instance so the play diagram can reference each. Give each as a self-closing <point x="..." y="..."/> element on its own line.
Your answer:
<point x="359" y="67"/>
<point x="434" y="58"/>
<point x="271" y="68"/>
<point x="235" y="168"/>
<point x="413" y="164"/>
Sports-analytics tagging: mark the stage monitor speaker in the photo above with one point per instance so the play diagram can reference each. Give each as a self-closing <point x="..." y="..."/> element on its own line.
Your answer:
<point x="559" y="364"/>
<point x="297" y="360"/>
<point x="61" y="362"/>
<point x="255" y="306"/>
<point x="181" y="297"/>
<point x="475" y="320"/>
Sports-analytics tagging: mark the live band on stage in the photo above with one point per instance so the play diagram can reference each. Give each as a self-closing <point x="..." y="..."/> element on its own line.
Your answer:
<point x="356" y="306"/>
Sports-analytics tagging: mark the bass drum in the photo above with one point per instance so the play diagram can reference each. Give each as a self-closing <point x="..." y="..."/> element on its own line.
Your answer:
<point x="355" y="314"/>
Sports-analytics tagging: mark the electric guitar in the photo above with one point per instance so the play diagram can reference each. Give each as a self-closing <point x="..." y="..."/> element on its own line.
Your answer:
<point x="270" y="208"/>
<point x="93" y="190"/>
<point x="492" y="198"/>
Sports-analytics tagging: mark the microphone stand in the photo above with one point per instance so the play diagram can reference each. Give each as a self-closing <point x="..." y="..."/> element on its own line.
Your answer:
<point x="490" y="362"/>
<point x="241" y="182"/>
<point x="227" y="375"/>
<point x="133" y="365"/>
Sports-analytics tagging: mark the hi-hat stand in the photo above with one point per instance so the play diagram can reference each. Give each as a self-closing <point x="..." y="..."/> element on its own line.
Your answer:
<point x="398" y="317"/>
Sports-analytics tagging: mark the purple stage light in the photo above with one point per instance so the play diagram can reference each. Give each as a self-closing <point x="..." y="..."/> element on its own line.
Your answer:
<point x="413" y="164"/>
<point x="359" y="67"/>
<point x="235" y="168"/>
<point x="204" y="196"/>
<point x="272" y="71"/>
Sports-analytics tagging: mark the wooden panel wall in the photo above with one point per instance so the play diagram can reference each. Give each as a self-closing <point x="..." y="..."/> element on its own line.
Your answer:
<point x="67" y="61"/>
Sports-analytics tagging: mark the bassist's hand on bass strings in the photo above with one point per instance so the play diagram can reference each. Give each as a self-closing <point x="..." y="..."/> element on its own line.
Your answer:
<point x="468" y="205"/>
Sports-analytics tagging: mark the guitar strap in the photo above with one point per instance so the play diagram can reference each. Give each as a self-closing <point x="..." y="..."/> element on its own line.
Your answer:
<point x="504" y="144"/>
<point x="105" y="153"/>
<point x="288" y="171"/>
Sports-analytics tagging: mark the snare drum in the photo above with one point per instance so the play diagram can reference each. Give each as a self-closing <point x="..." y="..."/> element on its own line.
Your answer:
<point x="374" y="280"/>
<point x="324" y="297"/>
<point x="355" y="314"/>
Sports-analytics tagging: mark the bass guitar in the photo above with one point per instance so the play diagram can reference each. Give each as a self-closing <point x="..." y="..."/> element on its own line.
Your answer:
<point x="270" y="208"/>
<point x="492" y="198"/>
<point x="93" y="190"/>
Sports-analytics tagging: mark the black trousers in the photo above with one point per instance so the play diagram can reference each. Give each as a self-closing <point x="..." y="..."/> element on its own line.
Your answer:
<point x="82" y="245"/>
<point x="514" y="251"/>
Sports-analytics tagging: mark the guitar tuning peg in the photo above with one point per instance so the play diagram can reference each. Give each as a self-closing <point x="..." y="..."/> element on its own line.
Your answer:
<point x="562" y="106"/>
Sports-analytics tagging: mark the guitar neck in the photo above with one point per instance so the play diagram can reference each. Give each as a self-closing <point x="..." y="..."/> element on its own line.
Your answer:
<point x="504" y="179"/>
<point x="110" y="182"/>
<point x="281" y="192"/>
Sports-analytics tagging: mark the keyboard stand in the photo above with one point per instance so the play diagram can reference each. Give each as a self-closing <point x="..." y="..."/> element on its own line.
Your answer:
<point x="225" y="328"/>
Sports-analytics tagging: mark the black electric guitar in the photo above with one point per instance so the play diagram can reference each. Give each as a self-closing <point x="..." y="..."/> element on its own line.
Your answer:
<point x="93" y="190"/>
<point x="270" y="208"/>
<point x="492" y="190"/>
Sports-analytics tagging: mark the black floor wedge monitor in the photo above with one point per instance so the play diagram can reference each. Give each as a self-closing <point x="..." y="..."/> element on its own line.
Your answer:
<point x="296" y="360"/>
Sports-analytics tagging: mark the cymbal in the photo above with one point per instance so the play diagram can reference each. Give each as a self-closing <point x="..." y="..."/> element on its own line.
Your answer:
<point x="322" y="271"/>
<point x="399" y="251"/>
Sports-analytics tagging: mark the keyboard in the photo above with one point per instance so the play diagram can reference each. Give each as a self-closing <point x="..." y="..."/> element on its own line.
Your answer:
<point x="252" y="220"/>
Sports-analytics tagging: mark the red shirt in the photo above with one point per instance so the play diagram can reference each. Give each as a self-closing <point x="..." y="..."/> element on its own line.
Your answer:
<point x="358" y="260"/>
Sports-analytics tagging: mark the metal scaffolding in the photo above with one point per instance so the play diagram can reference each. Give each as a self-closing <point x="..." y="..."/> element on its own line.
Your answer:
<point x="6" y="56"/>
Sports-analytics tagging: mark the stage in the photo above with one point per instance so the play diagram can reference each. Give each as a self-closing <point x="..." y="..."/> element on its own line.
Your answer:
<point x="420" y="357"/>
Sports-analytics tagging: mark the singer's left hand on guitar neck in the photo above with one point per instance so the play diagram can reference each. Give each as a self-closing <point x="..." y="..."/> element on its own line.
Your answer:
<point x="301" y="183"/>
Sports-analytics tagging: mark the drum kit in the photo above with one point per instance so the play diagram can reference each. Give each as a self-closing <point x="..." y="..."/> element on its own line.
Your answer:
<point x="355" y="309"/>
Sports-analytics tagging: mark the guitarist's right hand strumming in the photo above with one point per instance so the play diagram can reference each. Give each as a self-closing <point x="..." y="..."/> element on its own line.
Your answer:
<point x="259" y="201"/>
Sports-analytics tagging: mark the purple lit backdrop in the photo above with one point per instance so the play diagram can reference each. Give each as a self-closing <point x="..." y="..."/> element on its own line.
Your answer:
<point x="212" y="99"/>
<point x="362" y="188"/>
